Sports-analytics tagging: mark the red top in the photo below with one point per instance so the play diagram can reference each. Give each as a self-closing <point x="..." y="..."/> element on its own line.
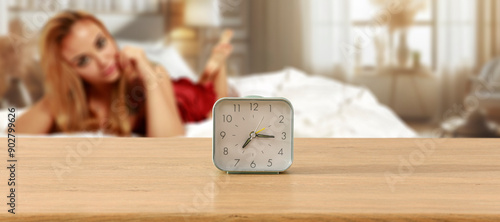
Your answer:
<point x="194" y="100"/>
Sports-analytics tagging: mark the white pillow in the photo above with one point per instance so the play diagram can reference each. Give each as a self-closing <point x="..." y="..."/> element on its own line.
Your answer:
<point x="4" y="114"/>
<point x="166" y="56"/>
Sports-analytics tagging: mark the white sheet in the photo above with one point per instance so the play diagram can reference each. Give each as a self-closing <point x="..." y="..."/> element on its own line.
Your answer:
<point x="323" y="107"/>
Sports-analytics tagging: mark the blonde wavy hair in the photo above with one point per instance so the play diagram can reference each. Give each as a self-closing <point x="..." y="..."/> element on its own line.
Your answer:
<point x="65" y="89"/>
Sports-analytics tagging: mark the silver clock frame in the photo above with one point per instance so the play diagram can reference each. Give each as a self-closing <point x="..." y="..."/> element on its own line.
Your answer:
<point x="252" y="98"/>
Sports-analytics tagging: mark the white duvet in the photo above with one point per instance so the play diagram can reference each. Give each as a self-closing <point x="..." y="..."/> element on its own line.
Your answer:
<point x="323" y="107"/>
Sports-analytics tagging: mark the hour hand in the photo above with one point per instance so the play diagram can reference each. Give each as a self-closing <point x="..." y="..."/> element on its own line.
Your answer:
<point x="247" y="142"/>
<point x="264" y="136"/>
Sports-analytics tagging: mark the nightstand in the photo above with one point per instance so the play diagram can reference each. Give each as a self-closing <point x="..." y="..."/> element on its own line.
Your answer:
<point x="410" y="93"/>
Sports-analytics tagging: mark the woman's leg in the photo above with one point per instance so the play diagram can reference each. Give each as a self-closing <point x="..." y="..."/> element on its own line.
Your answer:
<point x="216" y="70"/>
<point x="220" y="85"/>
<point x="220" y="82"/>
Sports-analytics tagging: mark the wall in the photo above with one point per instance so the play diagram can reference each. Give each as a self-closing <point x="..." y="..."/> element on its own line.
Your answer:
<point x="276" y="37"/>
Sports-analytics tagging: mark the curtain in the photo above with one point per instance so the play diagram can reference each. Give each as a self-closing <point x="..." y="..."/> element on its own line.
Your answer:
<point x="327" y="37"/>
<point x="456" y="50"/>
<point x="304" y="34"/>
<point x="277" y="41"/>
<point x="488" y="30"/>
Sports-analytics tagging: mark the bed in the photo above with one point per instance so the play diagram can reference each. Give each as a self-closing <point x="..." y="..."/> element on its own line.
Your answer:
<point x="324" y="108"/>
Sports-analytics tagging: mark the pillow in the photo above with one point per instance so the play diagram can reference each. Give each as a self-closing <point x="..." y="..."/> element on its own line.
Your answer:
<point x="166" y="56"/>
<point x="4" y="114"/>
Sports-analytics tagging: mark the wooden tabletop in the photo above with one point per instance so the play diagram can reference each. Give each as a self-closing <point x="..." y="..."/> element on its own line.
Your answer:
<point x="128" y="179"/>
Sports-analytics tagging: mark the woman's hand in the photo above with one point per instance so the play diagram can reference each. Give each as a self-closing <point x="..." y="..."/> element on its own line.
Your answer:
<point x="133" y="62"/>
<point x="162" y="115"/>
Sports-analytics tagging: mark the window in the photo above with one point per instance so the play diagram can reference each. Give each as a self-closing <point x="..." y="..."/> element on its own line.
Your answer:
<point x="342" y="33"/>
<point x="420" y="37"/>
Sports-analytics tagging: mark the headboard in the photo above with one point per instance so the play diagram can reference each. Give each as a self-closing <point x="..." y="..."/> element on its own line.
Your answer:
<point x="147" y="27"/>
<point x="137" y="20"/>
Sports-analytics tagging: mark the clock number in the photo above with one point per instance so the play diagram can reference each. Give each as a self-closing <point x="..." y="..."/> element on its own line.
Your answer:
<point x="227" y="118"/>
<point x="226" y="151"/>
<point x="237" y="161"/>
<point x="254" y="107"/>
<point x="253" y="165"/>
<point x="281" y="152"/>
<point x="237" y="108"/>
<point x="284" y="136"/>
<point x="282" y="118"/>
<point x="270" y="163"/>
<point x="223" y="134"/>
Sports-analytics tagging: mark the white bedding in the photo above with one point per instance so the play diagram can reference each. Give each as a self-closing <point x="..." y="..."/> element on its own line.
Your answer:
<point x="323" y="107"/>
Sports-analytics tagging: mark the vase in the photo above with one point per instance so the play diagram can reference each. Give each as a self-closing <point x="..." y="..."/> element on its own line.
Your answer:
<point x="403" y="51"/>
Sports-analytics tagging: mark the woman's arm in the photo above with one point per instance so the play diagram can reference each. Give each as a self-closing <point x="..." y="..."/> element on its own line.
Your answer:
<point x="162" y="116"/>
<point x="37" y="120"/>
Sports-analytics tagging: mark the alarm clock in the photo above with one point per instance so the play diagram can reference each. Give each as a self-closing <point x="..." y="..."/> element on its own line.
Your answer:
<point x="252" y="135"/>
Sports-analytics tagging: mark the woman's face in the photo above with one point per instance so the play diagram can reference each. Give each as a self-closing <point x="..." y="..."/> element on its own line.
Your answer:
<point x="91" y="52"/>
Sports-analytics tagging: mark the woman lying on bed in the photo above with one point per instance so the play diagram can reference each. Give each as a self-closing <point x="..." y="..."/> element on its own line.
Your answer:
<point x="93" y="86"/>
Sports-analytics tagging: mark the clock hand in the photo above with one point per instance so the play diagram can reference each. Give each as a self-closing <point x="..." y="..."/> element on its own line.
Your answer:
<point x="259" y="125"/>
<point x="261" y="135"/>
<point x="253" y="134"/>
<point x="264" y="136"/>
<point x="247" y="142"/>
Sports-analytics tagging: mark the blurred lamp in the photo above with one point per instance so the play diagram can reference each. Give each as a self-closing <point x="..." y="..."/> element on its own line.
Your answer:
<point x="202" y="13"/>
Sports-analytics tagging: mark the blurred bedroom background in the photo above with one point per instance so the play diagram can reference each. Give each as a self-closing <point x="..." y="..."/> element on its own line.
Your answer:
<point x="431" y="66"/>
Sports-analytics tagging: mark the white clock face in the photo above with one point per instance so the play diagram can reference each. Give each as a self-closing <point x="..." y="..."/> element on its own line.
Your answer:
<point x="253" y="135"/>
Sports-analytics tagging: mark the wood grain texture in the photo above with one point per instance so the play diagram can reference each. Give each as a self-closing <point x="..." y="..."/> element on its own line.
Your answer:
<point x="130" y="179"/>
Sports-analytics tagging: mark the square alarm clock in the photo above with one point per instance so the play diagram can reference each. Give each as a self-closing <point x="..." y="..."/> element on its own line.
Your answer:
<point x="252" y="135"/>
